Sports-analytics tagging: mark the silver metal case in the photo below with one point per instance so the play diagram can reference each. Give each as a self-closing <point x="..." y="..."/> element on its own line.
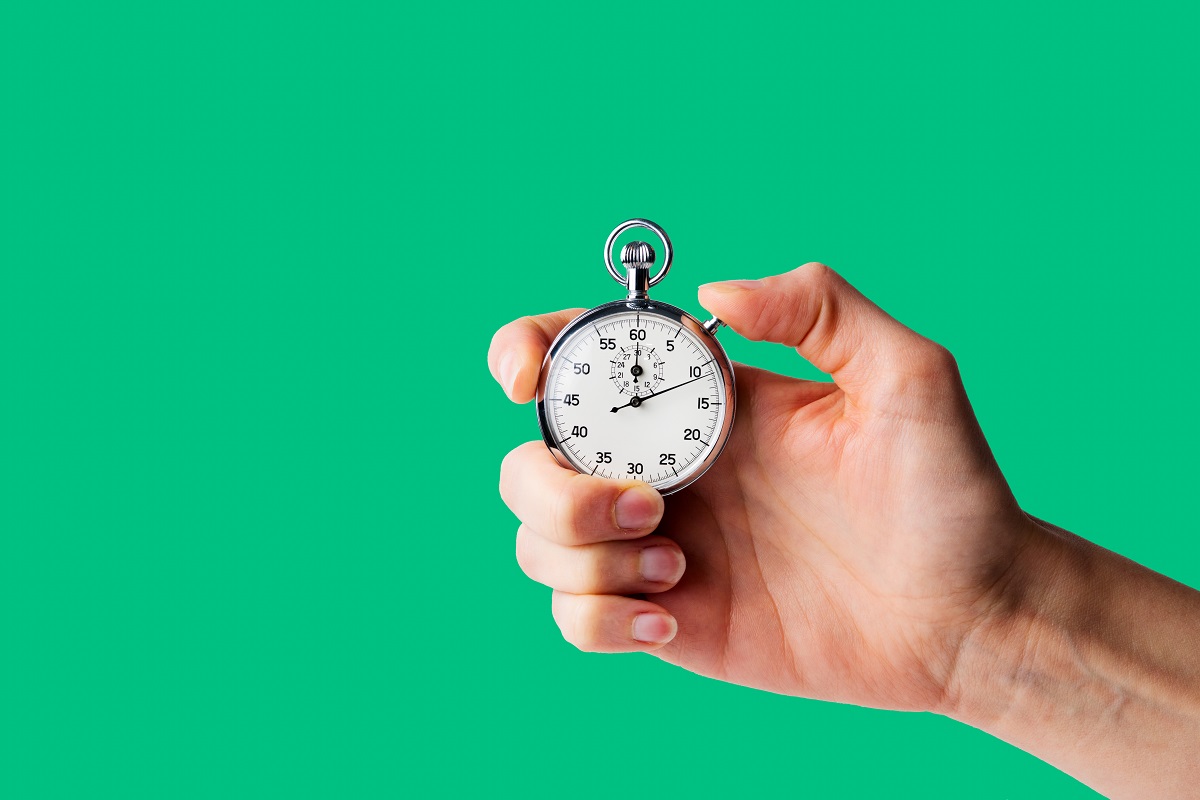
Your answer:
<point x="677" y="316"/>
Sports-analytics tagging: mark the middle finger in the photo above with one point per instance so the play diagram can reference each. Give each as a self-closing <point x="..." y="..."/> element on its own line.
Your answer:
<point x="570" y="508"/>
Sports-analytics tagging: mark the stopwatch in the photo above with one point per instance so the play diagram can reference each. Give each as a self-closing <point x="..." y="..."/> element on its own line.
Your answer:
<point x="636" y="388"/>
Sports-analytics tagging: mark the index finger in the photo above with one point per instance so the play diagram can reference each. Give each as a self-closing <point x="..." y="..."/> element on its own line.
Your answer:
<point x="517" y="350"/>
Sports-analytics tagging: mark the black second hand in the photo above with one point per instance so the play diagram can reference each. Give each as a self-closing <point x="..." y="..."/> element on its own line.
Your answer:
<point x="641" y="400"/>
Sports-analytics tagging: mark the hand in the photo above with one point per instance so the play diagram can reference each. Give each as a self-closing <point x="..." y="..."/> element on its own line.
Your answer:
<point x="857" y="542"/>
<point x="843" y="547"/>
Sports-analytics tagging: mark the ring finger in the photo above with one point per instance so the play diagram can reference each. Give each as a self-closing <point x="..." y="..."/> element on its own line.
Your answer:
<point x="640" y="566"/>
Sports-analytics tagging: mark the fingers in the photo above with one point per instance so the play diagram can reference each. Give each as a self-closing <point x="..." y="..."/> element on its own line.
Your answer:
<point x="517" y="350"/>
<point x="643" y="566"/>
<point x="827" y="320"/>
<point x="573" y="509"/>
<point x="611" y="624"/>
<point x="586" y="537"/>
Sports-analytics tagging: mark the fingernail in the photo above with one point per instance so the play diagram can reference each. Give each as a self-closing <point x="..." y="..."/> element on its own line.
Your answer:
<point x="662" y="564"/>
<point x="732" y="286"/>
<point x="509" y="371"/>
<point x="654" y="628"/>
<point x="637" y="507"/>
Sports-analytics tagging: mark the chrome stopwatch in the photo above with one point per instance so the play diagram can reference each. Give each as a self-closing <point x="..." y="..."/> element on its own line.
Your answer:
<point x="636" y="388"/>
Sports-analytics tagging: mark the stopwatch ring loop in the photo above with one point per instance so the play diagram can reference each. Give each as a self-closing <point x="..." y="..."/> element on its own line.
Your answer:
<point x="668" y="254"/>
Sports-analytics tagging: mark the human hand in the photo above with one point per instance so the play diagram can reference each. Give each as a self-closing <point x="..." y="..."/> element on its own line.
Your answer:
<point x="847" y="543"/>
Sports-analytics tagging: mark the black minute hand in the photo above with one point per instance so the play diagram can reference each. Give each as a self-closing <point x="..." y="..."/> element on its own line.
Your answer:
<point x="637" y="401"/>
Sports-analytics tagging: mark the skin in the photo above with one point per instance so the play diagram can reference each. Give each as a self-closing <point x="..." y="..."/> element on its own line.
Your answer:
<point x="856" y="542"/>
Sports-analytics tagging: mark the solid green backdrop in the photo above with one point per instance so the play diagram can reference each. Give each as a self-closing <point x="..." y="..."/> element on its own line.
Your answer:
<point x="251" y="256"/>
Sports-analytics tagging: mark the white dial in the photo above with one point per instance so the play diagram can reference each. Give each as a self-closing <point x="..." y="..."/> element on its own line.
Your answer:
<point x="636" y="394"/>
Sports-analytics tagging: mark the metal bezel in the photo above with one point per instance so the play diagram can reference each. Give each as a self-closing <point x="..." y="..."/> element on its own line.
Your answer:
<point x="681" y="317"/>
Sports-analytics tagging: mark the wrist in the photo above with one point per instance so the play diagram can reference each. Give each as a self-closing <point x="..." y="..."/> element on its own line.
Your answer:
<point x="1037" y="594"/>
<point x="1089" y="662"/>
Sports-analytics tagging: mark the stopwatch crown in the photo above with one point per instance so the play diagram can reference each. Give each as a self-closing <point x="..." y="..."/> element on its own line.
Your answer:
<point x="637" y="255"/>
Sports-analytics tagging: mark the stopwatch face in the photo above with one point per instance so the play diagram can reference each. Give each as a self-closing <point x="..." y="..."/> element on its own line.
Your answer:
<point x="638" y="393"/>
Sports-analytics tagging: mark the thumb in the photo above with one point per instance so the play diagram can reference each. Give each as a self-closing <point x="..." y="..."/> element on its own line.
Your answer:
<point x="827" y="320"/>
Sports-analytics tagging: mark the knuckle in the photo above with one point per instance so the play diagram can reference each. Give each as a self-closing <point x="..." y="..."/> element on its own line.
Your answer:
<point x="508" y="468"/>
<point x="594" y="572"/>
<point x="587" y="628"/>
<point x="816" y="279"/>
<point x="923" y="368"/>
<point x="511" y="467"/>
<point x="935" y="362"/>
<point x="518" y="324"/>
<point x="578" y="500"/>
<point x="816" y="273"/>
<point x="575" y="619"/>
<point x="502" y="338"/>
<point x="508" y="462"/>
<point x="526" y="553"/>
<point x="804" y="305"/>
<point x="497" y="342"/>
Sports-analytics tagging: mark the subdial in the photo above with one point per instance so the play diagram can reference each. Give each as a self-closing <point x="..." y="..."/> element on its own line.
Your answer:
<point x="637" y="370"/>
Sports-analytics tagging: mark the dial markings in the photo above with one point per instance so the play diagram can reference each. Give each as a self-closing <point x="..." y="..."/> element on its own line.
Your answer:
<point x="635" y="442"/>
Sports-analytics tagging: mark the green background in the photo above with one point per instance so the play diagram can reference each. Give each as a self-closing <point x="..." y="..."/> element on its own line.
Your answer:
<point x="251" y="256"/>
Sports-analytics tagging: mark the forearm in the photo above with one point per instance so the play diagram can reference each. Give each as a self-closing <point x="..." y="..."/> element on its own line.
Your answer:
<point x="1091" y="663"/>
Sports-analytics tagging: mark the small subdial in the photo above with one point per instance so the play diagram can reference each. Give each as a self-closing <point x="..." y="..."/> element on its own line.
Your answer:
<point x="637" y="370"/>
